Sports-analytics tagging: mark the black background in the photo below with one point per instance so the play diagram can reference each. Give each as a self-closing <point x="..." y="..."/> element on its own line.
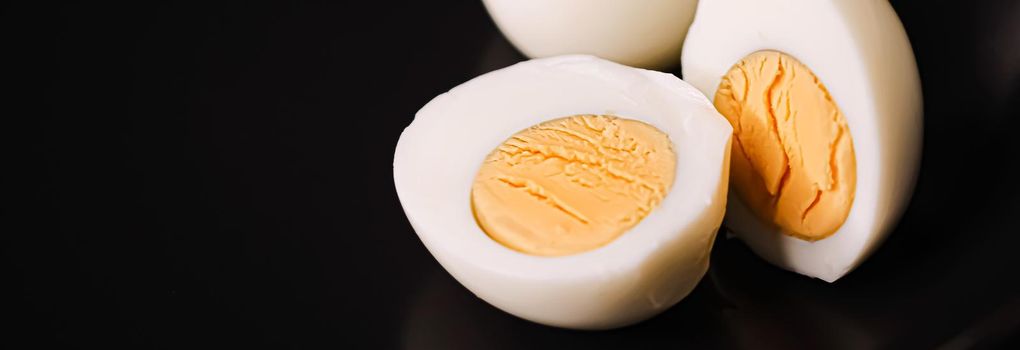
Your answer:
<point x="219" y="175"/>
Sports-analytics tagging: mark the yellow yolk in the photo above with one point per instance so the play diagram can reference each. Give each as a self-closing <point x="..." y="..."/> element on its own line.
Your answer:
<point x="571" y="185"/>
<point x="793" y="159"/>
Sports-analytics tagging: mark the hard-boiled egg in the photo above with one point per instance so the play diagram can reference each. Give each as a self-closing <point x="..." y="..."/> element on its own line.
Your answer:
<point x="825" y="101"/>
<point x="640" y="33"/>
<point x="571" y="191"/>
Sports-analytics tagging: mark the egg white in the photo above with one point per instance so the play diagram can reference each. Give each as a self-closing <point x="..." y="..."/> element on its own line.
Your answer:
<point x="639" y="33"/>
<point x="859" y="50"/>
<point x="644" y="271"/>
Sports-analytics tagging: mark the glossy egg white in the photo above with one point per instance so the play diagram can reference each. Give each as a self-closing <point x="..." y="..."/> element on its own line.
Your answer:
<point x="859" y="50"/>
<point x="643" y="272"/>
<point x="639" y="33"/>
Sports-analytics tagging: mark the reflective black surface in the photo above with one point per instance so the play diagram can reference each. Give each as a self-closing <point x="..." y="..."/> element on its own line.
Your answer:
<point x="219" y="175"/>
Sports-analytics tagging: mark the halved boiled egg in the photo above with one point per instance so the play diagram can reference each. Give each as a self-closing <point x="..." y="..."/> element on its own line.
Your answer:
<point x="825" y="102"/>
<point x="571" y="191"/>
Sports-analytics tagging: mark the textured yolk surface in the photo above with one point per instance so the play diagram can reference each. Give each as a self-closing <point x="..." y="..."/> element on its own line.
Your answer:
<point x="793" y="158"/>
<point x="574" y="184"/>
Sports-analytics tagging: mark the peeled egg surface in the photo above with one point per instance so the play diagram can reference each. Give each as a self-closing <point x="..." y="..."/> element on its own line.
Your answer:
<point x="862" y="62"/>
<point x="639" y="33"/>
<point x="643" y="271"/>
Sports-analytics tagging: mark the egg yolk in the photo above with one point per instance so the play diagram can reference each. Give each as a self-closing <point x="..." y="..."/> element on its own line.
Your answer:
<point x="793" y="158"/>
<point x="573" y="184"/>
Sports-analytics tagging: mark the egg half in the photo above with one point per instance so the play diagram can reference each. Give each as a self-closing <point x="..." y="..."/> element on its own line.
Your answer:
<point x="462" y="163"/>
<point x="639" y="33"/>
<point x="825" y="101"/>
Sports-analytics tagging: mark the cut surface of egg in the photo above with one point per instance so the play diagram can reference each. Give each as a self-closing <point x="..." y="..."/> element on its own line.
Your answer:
<point x="570" y="191"/>
<point x="825" y="101"/>
<point x="639" y="33"/>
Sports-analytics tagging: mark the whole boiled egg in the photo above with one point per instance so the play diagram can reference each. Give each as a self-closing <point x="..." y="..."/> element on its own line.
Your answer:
<point x="639" y="33"/>
<point x="570" y="191"/>
<point x="825" y="103"/>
